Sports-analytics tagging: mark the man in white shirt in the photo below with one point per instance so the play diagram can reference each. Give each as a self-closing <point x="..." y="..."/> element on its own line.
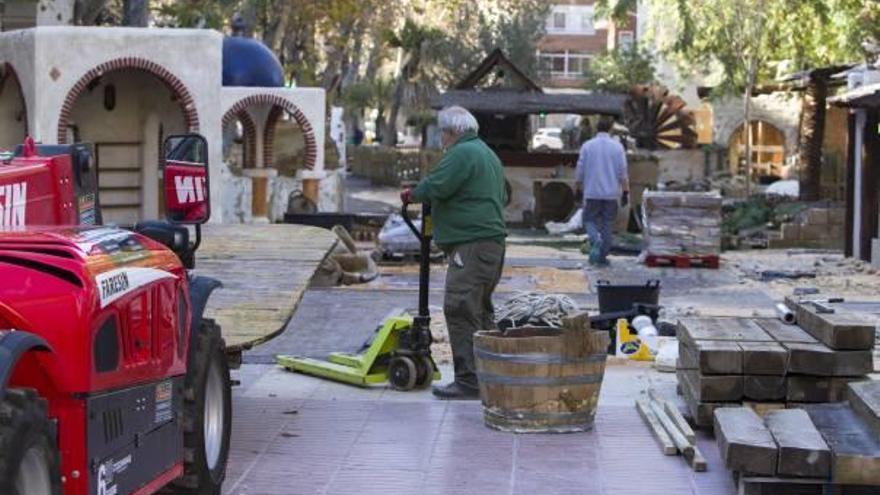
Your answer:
<point x="602" y="176"/>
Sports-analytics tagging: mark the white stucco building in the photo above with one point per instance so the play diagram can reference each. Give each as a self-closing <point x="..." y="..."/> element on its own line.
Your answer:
<point x="125" y="89"/>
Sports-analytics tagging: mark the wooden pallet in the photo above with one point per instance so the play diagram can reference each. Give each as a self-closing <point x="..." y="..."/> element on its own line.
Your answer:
<point x="683" y="261"/>
<point x="759" y="485"/>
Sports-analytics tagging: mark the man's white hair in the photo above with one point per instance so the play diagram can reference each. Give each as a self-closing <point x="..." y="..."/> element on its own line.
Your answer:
<point x="458" y="120"/>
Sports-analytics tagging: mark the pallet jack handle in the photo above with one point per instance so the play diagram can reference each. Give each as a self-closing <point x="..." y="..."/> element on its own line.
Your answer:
<point x="424" y="236"/>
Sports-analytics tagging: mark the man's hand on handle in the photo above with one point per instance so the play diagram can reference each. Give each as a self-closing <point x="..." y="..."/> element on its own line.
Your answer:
<point x="406" y="196"/>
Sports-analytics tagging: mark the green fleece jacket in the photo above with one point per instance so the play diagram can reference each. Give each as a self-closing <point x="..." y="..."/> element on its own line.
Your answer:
<point x="467" y="194"/>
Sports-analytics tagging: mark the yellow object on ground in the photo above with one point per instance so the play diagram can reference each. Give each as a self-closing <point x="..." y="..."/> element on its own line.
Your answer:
<point x="628" y="344"/>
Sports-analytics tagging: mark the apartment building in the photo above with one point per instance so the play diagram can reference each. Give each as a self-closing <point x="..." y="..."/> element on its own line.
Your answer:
<point x="573" y="36"/>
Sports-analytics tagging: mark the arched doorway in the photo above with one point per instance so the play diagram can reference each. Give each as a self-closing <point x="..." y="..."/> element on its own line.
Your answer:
<point x="278" y="109"/>
<point x="768" y="149"/>
<point x="240" y="141"/>
<point x="13" y="110"/>
<point x="125" y="108"/>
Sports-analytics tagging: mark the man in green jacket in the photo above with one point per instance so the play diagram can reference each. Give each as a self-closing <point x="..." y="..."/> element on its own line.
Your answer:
<point x="467" y="195"/>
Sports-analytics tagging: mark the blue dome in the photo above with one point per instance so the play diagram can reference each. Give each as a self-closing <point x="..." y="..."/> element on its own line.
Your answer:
<point x="247" y="62"/>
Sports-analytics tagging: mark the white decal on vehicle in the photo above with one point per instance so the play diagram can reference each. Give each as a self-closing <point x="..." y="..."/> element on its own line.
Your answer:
<point x="116" y="283"/>
<point x="13" y="199"/>
<point x="189" y="189"/>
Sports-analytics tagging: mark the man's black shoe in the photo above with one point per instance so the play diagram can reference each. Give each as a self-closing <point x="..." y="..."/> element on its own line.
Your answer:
<point x="455" y="391"/>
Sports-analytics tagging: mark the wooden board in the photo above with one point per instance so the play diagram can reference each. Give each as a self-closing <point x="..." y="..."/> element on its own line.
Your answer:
<point x="264" y="269"/>
<point x="701" y="412"/>
<point x="800" y="388"/>
<point x="666" y="444"/>
<point x="864" y="397"/>
<point x="744" y="442"/>
<point x="714" y="388"/>
<point x="855" y="457"/>
<point x="838" y="330"/>
<point x="820" y="360"/>
<point x="764" y="387"/>
<point x="764" y="358"/>
<point x="729" y="329"/>
<point x="784" y="333"/>
<point x="711" y="357"/>
<point x="802" y="450"/>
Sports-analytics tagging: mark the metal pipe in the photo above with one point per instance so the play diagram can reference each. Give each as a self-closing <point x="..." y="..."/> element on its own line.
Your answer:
<point x="785" y="314"/>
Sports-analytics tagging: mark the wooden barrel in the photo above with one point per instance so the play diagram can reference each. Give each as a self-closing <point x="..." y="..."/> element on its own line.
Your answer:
<point x="540" y="379"/>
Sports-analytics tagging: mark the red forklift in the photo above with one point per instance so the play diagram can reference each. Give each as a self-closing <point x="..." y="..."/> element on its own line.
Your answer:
<point x="111" y="380"/>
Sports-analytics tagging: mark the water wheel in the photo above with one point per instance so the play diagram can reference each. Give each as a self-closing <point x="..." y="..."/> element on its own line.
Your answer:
<point x="657" y="119"/>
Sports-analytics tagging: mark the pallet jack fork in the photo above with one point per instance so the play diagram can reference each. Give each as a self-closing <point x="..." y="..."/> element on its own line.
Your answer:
<point x="400" y="350"/>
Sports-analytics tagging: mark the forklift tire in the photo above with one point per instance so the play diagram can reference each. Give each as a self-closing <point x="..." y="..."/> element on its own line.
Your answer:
<point x="424" y="372"/>
<point x="207" y="415"/>
<point x="402" y="373"/>
<point x="29" y="460"/>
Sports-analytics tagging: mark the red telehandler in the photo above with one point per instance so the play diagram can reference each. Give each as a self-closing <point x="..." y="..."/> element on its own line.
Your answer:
<point x="111" y="380"/>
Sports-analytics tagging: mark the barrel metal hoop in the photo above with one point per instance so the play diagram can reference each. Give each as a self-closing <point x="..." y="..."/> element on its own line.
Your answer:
<point x="533" y="416"/>
<point x="536" y="357"/>
<point x="532" y="381"/>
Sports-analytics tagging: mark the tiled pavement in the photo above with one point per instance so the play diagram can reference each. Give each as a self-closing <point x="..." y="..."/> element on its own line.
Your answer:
<point x="294" y="434"/>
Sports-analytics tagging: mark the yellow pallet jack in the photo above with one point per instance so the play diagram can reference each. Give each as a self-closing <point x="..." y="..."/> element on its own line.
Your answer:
<point x="399" y="352"/>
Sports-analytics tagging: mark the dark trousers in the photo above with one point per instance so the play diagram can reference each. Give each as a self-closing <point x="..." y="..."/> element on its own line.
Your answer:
<point x="599" y="218"/>
<point x="474" y="272"/>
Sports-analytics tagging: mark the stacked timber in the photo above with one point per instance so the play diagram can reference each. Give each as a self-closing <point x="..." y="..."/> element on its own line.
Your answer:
<point x="728" y="361"/>
<point x="805" y="450"/>
<point x="682" y="223"/>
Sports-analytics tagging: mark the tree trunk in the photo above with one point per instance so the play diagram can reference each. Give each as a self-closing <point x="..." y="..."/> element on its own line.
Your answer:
<point x="812" y="134"/>
<point x="135" y="13"/>
<point x="747" y="129"/>
<point x="390" y="137"/>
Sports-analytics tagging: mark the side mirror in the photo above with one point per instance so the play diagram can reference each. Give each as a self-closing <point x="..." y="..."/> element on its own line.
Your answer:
<point x="185" y="179"/>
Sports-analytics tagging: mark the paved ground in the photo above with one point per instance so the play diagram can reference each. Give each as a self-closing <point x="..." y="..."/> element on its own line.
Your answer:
<point x="294" y="434"/>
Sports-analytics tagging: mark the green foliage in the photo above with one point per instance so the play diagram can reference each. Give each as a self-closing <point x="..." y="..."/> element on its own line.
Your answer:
<point x="754" y="40"/>
<point x="619" y="70"/>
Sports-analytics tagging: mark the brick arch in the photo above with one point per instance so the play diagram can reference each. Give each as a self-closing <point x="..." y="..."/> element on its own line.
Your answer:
<point x="250" y="136"/>
<point x="279" y="105"/>
<point x="10" y="70"/>
<point x="175" y="85"/>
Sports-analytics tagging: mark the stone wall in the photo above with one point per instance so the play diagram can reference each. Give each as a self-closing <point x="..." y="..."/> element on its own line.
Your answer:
<point x="815" y="228"/>
<point x="237" y="202"/>
<point x="781" y="110"/>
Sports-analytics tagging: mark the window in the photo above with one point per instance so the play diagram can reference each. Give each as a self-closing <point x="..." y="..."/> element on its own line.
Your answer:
<point x="571" y="19"/>
<point x="625" y="40"/>
<point x="559" y="20"/>
<point x="565" y="65"/>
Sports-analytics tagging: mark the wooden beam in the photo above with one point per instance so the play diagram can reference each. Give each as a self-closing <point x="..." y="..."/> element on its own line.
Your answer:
<point x="864" y="397"/>
<point x="802" y="450"/>
<point x="744" y="442"/>
<point x="838" y="330"/>
<point x="855" y="449"/>
<point x="666" y="444"/>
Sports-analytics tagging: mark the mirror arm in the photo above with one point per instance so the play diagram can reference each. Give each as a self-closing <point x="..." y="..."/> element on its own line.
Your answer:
<point x="198" y="238"/>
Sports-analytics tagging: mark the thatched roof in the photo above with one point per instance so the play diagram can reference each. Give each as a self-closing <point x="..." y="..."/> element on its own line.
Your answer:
<point x="526" y="102"/>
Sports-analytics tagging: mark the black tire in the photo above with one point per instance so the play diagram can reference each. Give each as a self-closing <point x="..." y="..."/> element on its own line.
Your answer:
<point x="27" y="433"/>
<point x="198" y="476"/>
<point x="402" y="373"/>
<point x="424" y="371"/>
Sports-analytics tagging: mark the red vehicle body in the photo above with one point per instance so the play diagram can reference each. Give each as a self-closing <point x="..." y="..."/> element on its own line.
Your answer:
<point x="101" y="330"/>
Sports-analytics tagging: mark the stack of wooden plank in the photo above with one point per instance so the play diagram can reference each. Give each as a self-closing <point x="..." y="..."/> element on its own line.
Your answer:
<point x="671" y="430"/>
<point x="682" y="223"/>
<point x="805" y="450"/>
<point x="725" y="361"/>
